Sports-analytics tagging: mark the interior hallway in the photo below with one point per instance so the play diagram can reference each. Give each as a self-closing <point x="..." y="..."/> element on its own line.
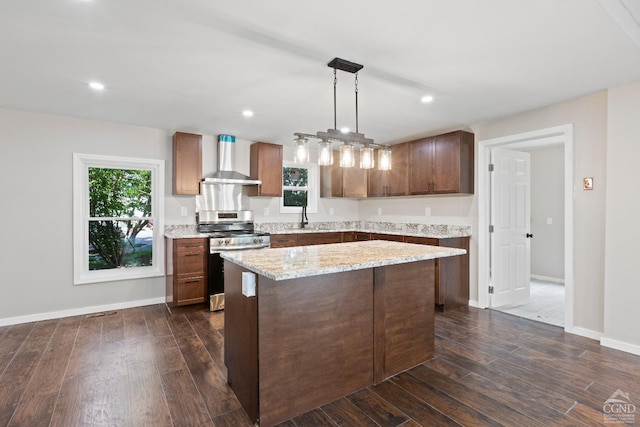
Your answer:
<point x="546" y="304"/>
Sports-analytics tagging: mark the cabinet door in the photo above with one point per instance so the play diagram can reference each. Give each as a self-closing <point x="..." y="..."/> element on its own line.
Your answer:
<point x="397" y="179"/>
<point x="421" y="154"/>
<point x="362" y="236"/>
<point x="389" y="237"/>
<point x="354" y="180"/>
<point x="377" y="180"/>
<point x="187" y="163"/>
<point x="453" y="166"/>
<point x="266" y="165"/>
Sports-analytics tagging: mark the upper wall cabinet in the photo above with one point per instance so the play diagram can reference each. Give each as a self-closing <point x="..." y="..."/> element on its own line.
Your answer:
<point x="187" y="163"/>
<point x="442" y="164"/>
<point x="343" y="182"/>
<point x="394" y="182"/>
<point x="266" y="165"/>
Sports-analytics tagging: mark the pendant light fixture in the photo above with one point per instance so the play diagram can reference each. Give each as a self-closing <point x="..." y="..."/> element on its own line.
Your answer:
<point x="384" y="158"/>
<point x="348" y="139"/>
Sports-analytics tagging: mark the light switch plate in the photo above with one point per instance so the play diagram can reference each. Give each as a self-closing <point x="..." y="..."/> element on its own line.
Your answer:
<point x="183" y="211"/>
<point x="587" y="184"/>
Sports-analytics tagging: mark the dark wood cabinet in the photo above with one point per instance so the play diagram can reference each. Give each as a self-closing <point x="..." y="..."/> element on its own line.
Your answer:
<point x="452" y="273"/>
<point x="186" y="264"/>
<point x="283" y="240"/>
<point x="343" y="182"/>
<point x="361" y="236"/>
<point x="307" y="239"/>
<point x="266" y="165"/>
<point x="391" y="237"/>
<point x="187" y="163"/>
<point x="442" y="164"/>
<point x="394" y="182"/>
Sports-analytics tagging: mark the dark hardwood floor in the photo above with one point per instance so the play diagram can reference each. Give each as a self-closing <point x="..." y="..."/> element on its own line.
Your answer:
<point x="148" y="366"/>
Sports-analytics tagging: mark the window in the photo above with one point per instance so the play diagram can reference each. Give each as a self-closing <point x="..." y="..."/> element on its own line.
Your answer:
<point x="299" y="187"/>
<point x="117" y="205"/>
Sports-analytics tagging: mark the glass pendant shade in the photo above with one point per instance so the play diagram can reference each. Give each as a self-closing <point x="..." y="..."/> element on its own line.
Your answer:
<point x="384" y="159"/>
<point x="301" y="150"/>
<point x="347" y="158"/>
<point x="325" y="154"/>
<point x="366" y="158"/>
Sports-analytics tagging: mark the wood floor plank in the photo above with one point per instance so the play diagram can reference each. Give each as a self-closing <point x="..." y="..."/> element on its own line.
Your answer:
<point x="210" y="336"/>
<point x="453" y="408"/>
<point x="378" y="409"/>
<point x="74" y="404"/>
<point x="37" y="403"/>
<point x="147" y="402"/>
<point x="13" y="337"/>
<point x="155" y="316"/>
<point x="474" y="354"/>
<point x="416" y="409"/>
<point x="314" y="418"/>
<point x="237" y="418"/>
<point x="486" y="404"/>
<point x="345" y="413"/>
<point x="135" y="325"/>
<point x="210" y="379"/>
<point x="185" y="403"/>
<point x="85" y="355"/>
<point x="587" y="415"/>
<point x="179" y="325"/>
<point x="167" y="354"/>
<point x="20" y="370"/>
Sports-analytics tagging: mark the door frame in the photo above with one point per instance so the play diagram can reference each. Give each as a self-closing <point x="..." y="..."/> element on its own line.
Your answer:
<point x="558" y="135"/>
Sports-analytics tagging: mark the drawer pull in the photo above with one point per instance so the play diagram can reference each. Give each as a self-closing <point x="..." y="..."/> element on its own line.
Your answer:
<point x="192" y="254"/>
<point x="192" y="281"/>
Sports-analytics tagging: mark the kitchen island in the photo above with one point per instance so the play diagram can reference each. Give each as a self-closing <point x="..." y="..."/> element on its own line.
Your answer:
<point x="307" y="325"/>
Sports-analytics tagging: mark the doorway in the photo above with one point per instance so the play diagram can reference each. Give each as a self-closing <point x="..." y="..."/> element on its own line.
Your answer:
<point x="562" y="136"/>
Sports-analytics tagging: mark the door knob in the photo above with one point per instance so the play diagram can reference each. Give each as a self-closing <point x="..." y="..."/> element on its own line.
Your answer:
<point x="529" y="235"/>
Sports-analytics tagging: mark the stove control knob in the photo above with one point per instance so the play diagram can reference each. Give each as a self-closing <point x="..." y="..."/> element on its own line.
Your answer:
<point x="257" y="240"/>
<point x="220" y="242"/>
<point x="226" y="241"/>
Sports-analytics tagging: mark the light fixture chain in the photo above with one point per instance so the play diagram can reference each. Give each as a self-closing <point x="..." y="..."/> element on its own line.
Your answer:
<point x="335" y="84"/>
<point x="356" y="84"/>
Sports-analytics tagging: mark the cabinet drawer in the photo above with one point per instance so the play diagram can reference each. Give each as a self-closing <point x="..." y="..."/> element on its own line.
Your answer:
<point x="391" y="237"/>
<point x="421" y="240"/>
<point x="319" y="238"/>
<point x="348" y="236"/>
<point x="190" y="290"/>
<point x="283" y="240"/>
<point x="192" y="263"/>
<point x="362" y="236"/>
<point x="190" y="245"/>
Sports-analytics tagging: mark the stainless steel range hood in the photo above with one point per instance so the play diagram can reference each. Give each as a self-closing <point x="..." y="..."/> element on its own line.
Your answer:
<point x="226" y="161"/>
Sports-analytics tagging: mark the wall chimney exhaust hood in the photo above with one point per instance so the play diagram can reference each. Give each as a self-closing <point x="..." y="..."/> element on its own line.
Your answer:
<point x="226" y="160"/>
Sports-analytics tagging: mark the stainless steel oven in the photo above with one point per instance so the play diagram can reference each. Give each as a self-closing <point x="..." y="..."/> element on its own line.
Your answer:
<point x="228" y="241"/>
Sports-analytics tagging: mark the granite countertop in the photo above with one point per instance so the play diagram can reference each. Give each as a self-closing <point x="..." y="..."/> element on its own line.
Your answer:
<point x="305" y="261"/>
<point x="436" y="231"/>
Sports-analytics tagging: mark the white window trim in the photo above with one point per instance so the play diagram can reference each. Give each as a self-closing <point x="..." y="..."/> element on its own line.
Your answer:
<point x="81" y="165"/>
<point x="312" y="189"/>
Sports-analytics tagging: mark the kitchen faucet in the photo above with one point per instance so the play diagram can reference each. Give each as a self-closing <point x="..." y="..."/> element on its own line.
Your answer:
<point x="304" y="220"/>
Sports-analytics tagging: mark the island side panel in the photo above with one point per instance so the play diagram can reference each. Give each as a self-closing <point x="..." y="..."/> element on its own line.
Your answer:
<point x="241" y="340"/>
<point x="316" y="341"/>
<point x="404" y="317"/>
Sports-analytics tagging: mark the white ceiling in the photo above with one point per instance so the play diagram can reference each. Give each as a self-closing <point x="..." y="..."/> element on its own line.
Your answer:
<point x="194" y="65"/>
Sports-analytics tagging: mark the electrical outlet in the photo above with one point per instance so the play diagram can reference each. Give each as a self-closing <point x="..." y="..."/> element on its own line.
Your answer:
<point x="331" y="211"/>
<point x="183" y="211"/>
<point x="266" y="212"/>
<point x="379" y="211"/>
<point x="427" y="211"/>
<point x="549" y="221"/>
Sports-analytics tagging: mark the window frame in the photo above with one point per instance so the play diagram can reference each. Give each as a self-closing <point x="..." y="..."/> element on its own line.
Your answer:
<point x="312" y="187"/>
<point x="81" y="165"/>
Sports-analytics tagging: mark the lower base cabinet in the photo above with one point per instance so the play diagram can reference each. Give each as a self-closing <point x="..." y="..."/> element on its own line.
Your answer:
<point x="451" y="273"/>
<point x="186" y="265"/>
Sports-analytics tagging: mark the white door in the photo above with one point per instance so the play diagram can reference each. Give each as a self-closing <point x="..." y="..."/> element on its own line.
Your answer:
<point x="511" y="220"/>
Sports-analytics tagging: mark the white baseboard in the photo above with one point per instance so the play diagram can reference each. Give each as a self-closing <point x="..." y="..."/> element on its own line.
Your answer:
<point x="547" y="279"/>
<point x="584" y="332"/>
<point x="474" y="303"/>
<point x="619" y="345"/>
<point x="79" y="311"/>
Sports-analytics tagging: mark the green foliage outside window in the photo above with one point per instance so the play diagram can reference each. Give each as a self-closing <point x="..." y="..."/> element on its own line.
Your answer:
<point x="295" y="177"/>
<point x="120" y="227"/>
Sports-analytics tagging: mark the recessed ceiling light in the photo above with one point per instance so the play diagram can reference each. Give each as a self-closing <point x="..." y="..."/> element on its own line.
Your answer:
<point x="344" y="129"/>
<point x="247" y="113"/>
<point x="96" y="85"/>
<point x="426" y="99"/>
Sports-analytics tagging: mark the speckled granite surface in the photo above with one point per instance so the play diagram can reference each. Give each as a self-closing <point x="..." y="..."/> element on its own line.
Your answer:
<point x="304" y="261"/>
<point x="438" y="231"/>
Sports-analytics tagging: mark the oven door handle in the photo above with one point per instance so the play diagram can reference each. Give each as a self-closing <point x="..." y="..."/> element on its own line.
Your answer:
<point x="238" y="248"/>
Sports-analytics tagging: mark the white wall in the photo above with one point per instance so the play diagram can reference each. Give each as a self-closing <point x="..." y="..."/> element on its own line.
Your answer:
<point x="547" y="201"/>
<point x="589" y="117"/>
<point x="622" y="282"/>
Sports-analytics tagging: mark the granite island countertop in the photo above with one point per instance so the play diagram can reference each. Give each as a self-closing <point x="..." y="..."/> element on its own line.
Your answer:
<point x="305" y="261"/>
